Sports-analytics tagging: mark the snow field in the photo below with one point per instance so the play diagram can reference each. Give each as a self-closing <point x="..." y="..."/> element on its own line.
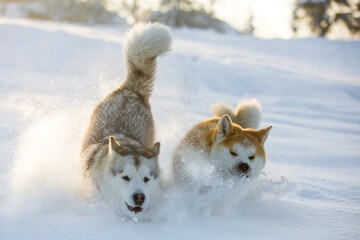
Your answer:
<point x="309" y="90"/>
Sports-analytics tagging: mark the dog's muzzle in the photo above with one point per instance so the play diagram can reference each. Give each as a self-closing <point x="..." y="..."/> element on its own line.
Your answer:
<point x="138" y="199"/>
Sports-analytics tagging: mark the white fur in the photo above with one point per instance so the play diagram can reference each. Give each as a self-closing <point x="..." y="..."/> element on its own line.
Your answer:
<point x="225" y="162"/>
<point x="247" y="113"/>
<point x="114" y="188"/>
<point x="228" y="163"/>
<point x="121" y="131"/>
<point x="220" y="109"/>
<point x="146" y="41"/>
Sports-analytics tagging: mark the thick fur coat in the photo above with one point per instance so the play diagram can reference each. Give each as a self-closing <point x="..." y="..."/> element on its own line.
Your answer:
<point x="119" y="156"/>
<point x="227" y="141"/>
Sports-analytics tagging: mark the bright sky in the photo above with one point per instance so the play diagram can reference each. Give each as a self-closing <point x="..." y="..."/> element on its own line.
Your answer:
<point x="271" y="18"/>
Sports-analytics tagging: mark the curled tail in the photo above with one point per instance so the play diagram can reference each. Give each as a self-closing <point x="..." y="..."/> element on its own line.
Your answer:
<point x="247" y="113"/>
<point x="144" y="42"/>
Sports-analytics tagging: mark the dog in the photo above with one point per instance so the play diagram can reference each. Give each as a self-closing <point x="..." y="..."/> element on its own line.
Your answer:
<point x="227" y="141"/>
<point x="119" y="156"/>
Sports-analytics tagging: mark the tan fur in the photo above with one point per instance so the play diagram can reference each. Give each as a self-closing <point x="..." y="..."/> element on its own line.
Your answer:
<point x="240" y="135"/>
<point x="205" y="138"/>
<point x="247" y="113"/>
<point x="202" y="137"/>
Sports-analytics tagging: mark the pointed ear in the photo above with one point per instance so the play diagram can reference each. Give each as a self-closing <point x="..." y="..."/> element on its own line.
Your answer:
<point x="225" y="126"/>
<point x="156" y="148"/>
<point x="262" y="134"/>
<point x="115" y="146"/>
<point x="112" y="143"/>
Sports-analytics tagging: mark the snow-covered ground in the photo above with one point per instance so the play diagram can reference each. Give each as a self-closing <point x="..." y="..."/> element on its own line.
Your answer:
<point x="52" y="75"/>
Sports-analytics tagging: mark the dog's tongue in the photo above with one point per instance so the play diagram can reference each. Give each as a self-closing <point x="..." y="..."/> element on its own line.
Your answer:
<point x="137" y="209"/>
<point x="134" y="209"/>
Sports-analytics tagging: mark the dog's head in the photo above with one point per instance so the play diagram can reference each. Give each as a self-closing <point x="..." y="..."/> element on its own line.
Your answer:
<point x="132" y="176"/>
<point x="239" y="151"/>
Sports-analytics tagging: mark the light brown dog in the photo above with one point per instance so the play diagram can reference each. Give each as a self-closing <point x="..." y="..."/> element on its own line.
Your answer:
<point x="227" y="141"/>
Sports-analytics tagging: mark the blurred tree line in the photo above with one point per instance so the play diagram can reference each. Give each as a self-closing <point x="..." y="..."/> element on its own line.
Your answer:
<point x="316" y="17"/>
<point x="175" y="13"/>
<point x="179" y="13"/>
<point x="89" y="11"/>
<point x="323" y="17"/>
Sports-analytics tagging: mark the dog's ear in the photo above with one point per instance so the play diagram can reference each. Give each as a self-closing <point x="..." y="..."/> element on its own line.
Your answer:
<point x="114" y="145"/>
<point x="156" y="149"/>
<point x="262" y="134"/>
<point x="225" y="126"/>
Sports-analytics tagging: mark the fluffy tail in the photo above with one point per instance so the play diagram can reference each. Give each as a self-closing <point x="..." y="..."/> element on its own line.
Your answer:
<point x="144" y="42"/>
<point x="247" y="113"/>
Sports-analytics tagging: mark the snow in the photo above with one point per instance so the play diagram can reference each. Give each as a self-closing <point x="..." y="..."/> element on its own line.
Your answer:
<point x="52" y="75"/>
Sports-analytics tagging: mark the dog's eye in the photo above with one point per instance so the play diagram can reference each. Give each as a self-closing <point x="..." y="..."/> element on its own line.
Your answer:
<point x="233" y="153"/>
<point x="126" y="178"/>
<point x="146" y="179"/>
<point x="251" y="157"/>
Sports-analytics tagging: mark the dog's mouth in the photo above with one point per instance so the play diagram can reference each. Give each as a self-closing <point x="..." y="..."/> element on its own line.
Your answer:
<point x="243" y="175"/>
<point x="134" y="209"/>
<point x="239" y="174"/>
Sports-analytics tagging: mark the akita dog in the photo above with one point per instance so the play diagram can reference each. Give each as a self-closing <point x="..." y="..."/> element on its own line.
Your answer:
<point x="119" y="156"/>
<point x="228" y="142"/>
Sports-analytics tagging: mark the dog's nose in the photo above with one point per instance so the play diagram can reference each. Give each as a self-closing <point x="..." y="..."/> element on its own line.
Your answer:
<point x="243" y="167"/>
<point x="139" y="198"/>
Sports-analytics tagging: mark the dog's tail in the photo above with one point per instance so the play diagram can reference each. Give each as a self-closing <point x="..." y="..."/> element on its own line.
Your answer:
<point x="247" y="113"/>
<point x="144" y="42"/>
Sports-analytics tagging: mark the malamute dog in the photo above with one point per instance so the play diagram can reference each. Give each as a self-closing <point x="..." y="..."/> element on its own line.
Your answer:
<point x="119" y="156"/>
<point x="227" y="141"/>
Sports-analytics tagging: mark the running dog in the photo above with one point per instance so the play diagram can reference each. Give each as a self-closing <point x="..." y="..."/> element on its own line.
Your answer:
<point x="227" y="141"/>
<point x="119" y="156"/>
